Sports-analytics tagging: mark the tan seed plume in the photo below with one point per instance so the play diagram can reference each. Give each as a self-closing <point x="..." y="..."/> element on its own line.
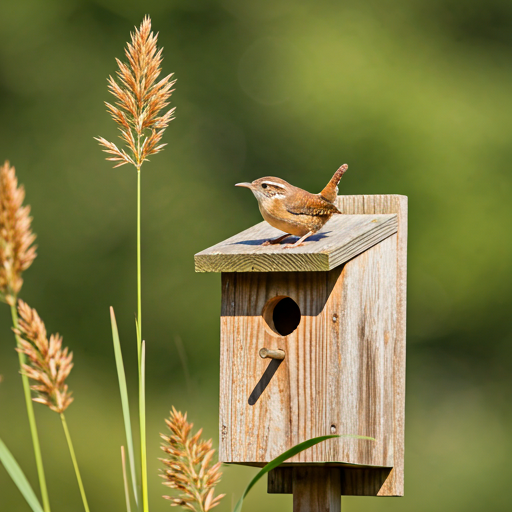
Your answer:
<point x="16" y="238"/>
<point x="140" y="98"/>
<point x="48" y="364"/>
<point x="189" y="467"/>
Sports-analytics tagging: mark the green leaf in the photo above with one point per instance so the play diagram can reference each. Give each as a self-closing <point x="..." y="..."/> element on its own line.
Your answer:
<point x="125" y="481"/>
<point x="19" y="478"/>
<point x="285" y="456"/>
<point x="124" y="400"/>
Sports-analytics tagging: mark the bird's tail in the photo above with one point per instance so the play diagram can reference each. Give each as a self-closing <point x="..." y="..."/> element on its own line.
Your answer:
<point x="331" y="190"/>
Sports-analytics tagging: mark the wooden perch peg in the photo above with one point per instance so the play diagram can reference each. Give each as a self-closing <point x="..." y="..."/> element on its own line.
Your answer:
<point x="272" y="354"/>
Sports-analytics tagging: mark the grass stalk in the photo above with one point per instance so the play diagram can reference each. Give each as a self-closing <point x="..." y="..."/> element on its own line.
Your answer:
<point x="142" y="363"/>
<point x="142" y="422"/>
<point x="139" y="273"/>
<point x="32" y="421"/>
<point x="75" y="464"/>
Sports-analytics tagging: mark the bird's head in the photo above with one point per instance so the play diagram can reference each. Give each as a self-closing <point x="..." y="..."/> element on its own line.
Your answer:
<point x="268" y="188"/>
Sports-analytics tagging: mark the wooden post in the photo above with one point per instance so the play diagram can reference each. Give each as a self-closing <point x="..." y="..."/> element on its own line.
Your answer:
<point x="316" y="489"/>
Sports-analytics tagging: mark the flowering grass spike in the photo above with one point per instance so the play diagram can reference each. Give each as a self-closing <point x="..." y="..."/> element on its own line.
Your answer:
<point x="140" y="99"/>
<point x="189" y="467"/>
<point x="48" y="364"/>
<point x="17" y="251"/>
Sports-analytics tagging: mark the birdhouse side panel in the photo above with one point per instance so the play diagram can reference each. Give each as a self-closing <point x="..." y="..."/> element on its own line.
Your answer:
<point x="362" y="314"/>
<point x="386" y="204"/>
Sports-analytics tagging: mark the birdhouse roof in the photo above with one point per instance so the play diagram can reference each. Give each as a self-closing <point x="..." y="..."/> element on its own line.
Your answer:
<point x="342" y="238"/>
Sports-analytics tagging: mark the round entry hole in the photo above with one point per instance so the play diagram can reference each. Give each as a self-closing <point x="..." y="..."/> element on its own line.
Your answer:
<point x="282" y="315"/>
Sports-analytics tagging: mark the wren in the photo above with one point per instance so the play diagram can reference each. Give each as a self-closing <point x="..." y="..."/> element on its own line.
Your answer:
<point x="294" y="210"/>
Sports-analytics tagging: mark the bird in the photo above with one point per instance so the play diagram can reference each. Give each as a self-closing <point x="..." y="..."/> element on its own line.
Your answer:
<point x="292" y="209"/>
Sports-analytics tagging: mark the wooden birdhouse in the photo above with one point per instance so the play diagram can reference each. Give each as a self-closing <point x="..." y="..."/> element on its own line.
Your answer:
<point x="313" y="343"/>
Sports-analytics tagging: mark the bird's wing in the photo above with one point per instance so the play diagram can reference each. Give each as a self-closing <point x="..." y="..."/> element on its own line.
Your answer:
<point x="312" y="204"/>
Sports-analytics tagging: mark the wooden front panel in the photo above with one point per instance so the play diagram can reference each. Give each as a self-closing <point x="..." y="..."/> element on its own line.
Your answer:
<point x="281" y="416"/>
<point x="338" y="373"/>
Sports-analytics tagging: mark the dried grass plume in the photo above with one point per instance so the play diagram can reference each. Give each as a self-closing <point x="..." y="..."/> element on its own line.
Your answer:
<point x="17" y="251"/>
<point x="48" y="364"/>
<point x="189" y="467"/>
<point x="140" y="99"/>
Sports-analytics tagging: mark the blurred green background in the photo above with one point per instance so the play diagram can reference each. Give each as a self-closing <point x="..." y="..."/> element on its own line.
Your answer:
<point x="415" y="95"/>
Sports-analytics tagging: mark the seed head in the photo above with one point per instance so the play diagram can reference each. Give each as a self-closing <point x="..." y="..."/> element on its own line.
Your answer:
<point x="189" y="469"/>
<point x="48" y="364"/>
<point x="16" y="238"/>
<point x="140" y="99"/>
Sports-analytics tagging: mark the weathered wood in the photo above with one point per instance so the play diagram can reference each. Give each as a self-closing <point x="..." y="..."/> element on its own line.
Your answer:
<point x="342" y="238"/>
<point x="385" y="204"/>
<point x="280" y="480"/>
<point x="316" y="489"/>
<point x="338" y="373"/>
<point x="344" y="368"/>
<point x="355" y="481"/>
<point x="365" y="482"/>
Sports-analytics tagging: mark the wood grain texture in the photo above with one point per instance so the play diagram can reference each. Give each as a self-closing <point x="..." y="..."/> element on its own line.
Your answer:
<point x="316" y="489"/>
<point x="280" y="480"/>
<point x="337" y="374"/>
<point x="385" y="204"/>
<point x="344" y="370"/>
<point x="342" y="238"/>
<point x="355" y="481"/>
<point x="365" y="482"/>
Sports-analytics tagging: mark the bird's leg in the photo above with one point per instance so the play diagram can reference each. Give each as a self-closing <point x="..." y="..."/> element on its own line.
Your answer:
<point x="298" y="242"/>
<point x="276" y="240"/>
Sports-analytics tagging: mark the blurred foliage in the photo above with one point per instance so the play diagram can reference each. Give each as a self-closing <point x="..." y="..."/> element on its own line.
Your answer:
<point x="414" y="95"/>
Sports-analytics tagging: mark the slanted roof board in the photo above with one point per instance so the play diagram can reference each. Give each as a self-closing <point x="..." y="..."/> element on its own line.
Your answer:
<point x="342" y="238"/>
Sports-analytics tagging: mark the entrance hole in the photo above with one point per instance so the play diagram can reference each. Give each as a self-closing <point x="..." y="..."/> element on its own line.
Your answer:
<point x="282" y="315"/>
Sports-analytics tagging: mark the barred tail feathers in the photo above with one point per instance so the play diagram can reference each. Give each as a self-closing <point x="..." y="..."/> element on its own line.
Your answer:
<point x="331" y="190"/>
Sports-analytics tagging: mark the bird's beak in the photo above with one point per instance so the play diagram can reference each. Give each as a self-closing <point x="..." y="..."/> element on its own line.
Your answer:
<point x="246" y="185"/>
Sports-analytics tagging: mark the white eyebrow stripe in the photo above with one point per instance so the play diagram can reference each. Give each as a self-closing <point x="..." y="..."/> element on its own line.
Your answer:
<point x="274" y="184"/>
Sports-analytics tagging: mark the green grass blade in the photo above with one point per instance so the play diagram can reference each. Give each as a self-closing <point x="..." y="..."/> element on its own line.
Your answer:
<point x="285" y="456"/>
<point x="123" y="390"/>
<point x="125" y="481"/>
<point x="19" y="478"/>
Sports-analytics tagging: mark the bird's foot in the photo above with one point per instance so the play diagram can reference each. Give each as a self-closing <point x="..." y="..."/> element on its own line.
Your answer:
<point x="274" y="241"/>
<point x="299" y="242"/>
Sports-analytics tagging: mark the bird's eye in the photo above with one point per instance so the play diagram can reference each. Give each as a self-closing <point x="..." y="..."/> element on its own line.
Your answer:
<point x="264" y="185"/>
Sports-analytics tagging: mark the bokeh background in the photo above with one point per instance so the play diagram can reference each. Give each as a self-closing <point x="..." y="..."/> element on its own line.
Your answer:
<point x="415" y="95"/>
